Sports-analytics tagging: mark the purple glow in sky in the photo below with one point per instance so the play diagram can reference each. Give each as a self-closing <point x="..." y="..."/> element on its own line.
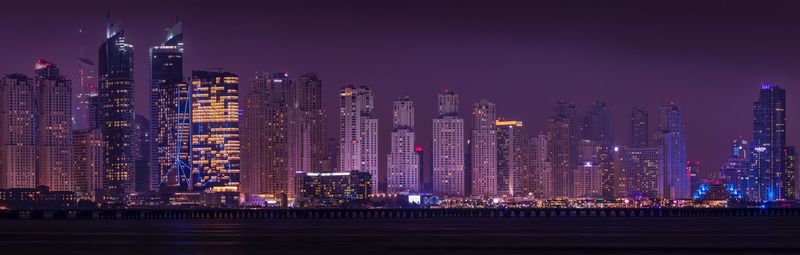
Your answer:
<point x="709" y="58"/>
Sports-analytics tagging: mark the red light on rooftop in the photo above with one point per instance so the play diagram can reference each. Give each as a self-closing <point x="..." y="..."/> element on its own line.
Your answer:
<point x="418" y="148"/>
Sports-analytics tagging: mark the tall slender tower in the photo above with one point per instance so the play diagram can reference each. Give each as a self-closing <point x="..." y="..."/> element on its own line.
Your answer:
<point x="17" y="137"/>
<point x="402" y="161"/>
<point x="358" y="137"/>
<point x="598" y="126"/>
<point x="215" y="130"/>
<point x="559" y="155"/>
<point x="511" y="156"/>
<point x="541" y="170"/>
<point x="768" y="179"/>
<point x="448" y="148"/>
<point x="737" y="167"/>
<point x="640" y="129"/>
<point x="115" y="70"/>
<point x="258" y="158"/>
<point x="170" y="112"/>
<point x="308" y="100"/>
<point x="484" y="149"/>
<point x="672" y="140"/>
<point x="53" y="128"/>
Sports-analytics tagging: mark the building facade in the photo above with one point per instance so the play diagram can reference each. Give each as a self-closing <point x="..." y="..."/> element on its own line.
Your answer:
<point x="672" y="140"/>
<point x="170" y="112"/>
<point x="215" y="130"/>
<point x="17" y="140"/>
<point x="448" y="151"/>
<point x="358" y="137"/>
<point x="768" y="179"/>
<point x="484" y="149"/>
<point x="53" y="99"/>
<point x="402" y="162"/>
<point x="88" y="162"/>
<point x="115" y="72"/>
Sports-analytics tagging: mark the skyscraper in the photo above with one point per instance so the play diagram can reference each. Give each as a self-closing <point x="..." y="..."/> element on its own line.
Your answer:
<point x="308" y="99"/>
<point x="541" y="169"/>
<point x="484" y="149"/>
<point x="170" y="112"/>
<point x="736" y="169"/>
<point x="588" y="177"/>
<point x="215" y="130"/>
<point x="358" y="137"/>
<point x="791" y="167"/>
<point x="640" y="128"/>
<point x="768" y="179"/>
<point x="639" y="173"/>
<point x="672" y="140"/>
<point x="447" y="147"/>
<point x="257" y="164"/>
<point x="88" y="160"/>
<point x="402" y="161"/>
<point x="559" y="155"/>
<point x="141" y="154"/>
<point x="17" y="141"/>
<point x="511" y="156"/>
<point x="598" y="127"/>
<point x="115" y="69"/>
<point x="53" y="128"/>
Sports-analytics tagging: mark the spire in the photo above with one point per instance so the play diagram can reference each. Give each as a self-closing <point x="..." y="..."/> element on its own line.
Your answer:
<point x="109" y="25"/>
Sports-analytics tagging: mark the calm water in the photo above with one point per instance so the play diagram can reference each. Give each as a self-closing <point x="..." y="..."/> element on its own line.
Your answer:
<point x="750" y="235"/>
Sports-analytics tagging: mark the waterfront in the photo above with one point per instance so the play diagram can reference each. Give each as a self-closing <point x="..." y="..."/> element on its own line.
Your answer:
<point x="645" y="235"/>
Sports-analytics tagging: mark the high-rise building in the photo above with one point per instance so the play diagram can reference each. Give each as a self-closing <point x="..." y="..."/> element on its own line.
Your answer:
<point x="308" y="100"/>
<point x="170" y="112"/>
<point x="424" y="172"/>
<point x="358" y="133"/>
<point x="736" y="169"/>
<point x="141" y="154"/>
<point x="640" y="128"/>
<point x="598" y="127"/>
<point x="791" y="166"/>
<point x="511" y="157"/>
<point x="402" y="174"/>
<point x="559" y="155"/>
<point x="639" y="173"/>
<point x="588" y="177"/>
<point x="672" y="140"/>
<point x="448" y="152"/>
<point x="215" y="130"/>
<point x="17" y="140"/>
<point x="693" y="169"/>
<point x="87" y="87"/>
<point x="115" y="70"/>
<point x="484" y="149"/>
<point x="540" y="176"/>
<point x="768" y="179"/>
<point x="53" y="100"/>
<point x="88" y="154"/>
<point x="260" y="163"/>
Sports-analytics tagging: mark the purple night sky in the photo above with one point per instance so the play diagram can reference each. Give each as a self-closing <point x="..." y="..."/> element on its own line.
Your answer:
<point x="709" y="58"/>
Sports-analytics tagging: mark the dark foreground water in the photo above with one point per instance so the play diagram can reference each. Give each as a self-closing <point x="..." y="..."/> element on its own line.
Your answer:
<point x="707" y="235"/>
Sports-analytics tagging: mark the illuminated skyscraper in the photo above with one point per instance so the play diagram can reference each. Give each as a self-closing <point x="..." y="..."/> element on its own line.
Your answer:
<point x="791" y="167"/>
<point x="402" y="162"/>
<point x="215" y="130"/>
<point x="88" y="160"/>
<point x="588" y="177"/>
<point x="559" y="155"/>
<point x="308" y="100"/>
<point x="639" y="173"/>
<point x="672" y="140"/>
<point x="170" y="112"/>
<point x="17" y="140"/>
<point x="736" y="169"/>
<point x="53" y="128"/>
<point x="358" y="137"/>
<point x="598" y="126"/>
<point x="511" y="156"/>
<point x="484" y="149"/>
<point x="447" y="158"/>
<point x="115" y="69"/>
<point x="141" y="153"/>
<point x="640" y="128"/>
<point x="768" y="179"/>
<point x="541" y="169"/>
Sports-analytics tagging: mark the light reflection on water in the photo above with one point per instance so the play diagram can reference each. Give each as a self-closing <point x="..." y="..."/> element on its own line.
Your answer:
<point x="731" y="235"/>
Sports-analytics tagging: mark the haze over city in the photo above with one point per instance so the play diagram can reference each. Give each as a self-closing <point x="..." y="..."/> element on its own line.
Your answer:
<point x="709" y="57"/>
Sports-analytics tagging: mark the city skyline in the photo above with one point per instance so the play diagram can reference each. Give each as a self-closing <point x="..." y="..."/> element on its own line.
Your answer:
<point x="701" y="139"/>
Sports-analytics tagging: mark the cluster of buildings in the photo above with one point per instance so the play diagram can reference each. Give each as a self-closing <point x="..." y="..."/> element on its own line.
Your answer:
<point x="205" y="144"/>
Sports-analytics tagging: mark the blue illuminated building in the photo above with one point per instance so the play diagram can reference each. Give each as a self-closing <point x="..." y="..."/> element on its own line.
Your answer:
<point x="768" y="179"/>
